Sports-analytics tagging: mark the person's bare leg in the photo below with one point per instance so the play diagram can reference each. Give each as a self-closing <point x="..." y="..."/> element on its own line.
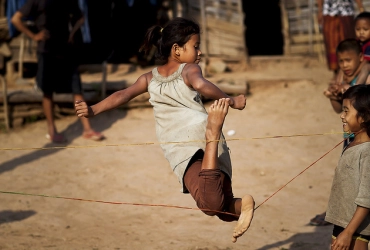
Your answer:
<point x="359" y="245"/>
<point x="85" y="122"/>
<point x="88" y="132"/>
<point x="216" y="117"/>
<point x="48" y="107"/>
<point x="245" y="208"/>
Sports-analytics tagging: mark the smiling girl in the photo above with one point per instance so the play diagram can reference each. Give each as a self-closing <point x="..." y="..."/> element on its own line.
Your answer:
<point x="349" y="202"/>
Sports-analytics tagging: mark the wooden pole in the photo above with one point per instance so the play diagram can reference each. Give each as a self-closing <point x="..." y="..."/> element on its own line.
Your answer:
<point x="104" y="80"/>
<point x="21" y="55"/>
<point x="204" y="31"/>
<point x="285" y="30"/>
<point x="319" y="44"/>
<point x="245" y="57"/>
<point x="5" y="100"/>
<point x="310" y="15"/>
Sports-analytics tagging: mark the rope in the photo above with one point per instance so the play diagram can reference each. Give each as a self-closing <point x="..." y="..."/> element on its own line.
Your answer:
<point x="159" y="143"/>
<point x="172" y="206"/>
<point x="115" y="202"/>
<point x="300" y="173"/>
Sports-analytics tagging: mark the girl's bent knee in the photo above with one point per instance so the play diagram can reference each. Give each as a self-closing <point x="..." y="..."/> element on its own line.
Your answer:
<point x="211" y="207"/>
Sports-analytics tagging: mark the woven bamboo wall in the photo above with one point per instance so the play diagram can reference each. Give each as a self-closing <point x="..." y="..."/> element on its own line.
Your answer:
<point x="301" y="29"/>
<point x="223" y="28"/>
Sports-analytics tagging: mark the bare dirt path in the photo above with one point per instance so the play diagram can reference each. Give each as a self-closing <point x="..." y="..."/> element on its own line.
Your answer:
<point x="286" y="99"/>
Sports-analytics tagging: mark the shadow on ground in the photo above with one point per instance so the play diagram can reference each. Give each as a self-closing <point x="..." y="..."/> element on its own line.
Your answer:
<point x="73" y="131"/>
<point x="319" y="239"/>
<point x="8" y="216"/>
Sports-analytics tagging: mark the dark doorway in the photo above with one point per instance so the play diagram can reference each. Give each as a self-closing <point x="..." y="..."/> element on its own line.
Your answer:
<point x="263" y="27"/>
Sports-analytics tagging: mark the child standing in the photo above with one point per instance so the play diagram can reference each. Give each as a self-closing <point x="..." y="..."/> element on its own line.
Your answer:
<point x="202" y="163"/>
<point x="362" y="29"/>
<point x="350" y="58"/>
<point x="349" y="202"/>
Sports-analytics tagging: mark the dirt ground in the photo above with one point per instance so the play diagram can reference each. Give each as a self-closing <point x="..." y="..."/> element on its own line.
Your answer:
<point x="286" y="99"/>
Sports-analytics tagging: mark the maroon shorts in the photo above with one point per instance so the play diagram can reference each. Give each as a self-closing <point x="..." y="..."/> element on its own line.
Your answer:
<point x="210" y="188"/>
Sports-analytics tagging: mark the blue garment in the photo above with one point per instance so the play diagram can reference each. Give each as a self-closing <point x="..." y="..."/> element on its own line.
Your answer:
<point x="353" y="82"/>
<point x="11" y="7"/>
<point x="85" y="28"/>
<point x="130" y="3"/>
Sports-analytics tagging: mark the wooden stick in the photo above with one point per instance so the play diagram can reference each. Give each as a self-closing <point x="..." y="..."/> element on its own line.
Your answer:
<point x="104" y="81"/>
<point x="285" y="30"/>
<point x="21" y="54"/>
<point x="204" y="30"/>
<point x="319" y="45"/>
<point x="5" y="100"/>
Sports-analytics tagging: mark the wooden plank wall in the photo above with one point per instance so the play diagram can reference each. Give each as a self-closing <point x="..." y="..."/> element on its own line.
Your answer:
<point x="300" y="27"/>
<point x="224" y="36"/>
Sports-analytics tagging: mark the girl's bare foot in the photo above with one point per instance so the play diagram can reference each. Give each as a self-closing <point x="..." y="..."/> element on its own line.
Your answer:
<point x="216" y="117"/>
<point x="245" y="218"/>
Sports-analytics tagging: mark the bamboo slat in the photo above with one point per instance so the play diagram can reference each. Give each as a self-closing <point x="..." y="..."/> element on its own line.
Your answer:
<point x="224" y="27"/>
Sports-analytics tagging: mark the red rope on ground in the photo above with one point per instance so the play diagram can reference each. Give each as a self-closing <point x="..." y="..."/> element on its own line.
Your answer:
<point x="171" y="206"/>
<point x="117" y="203"/>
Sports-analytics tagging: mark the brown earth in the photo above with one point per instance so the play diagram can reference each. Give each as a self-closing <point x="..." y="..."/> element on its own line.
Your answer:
<point x="286" y="99"/>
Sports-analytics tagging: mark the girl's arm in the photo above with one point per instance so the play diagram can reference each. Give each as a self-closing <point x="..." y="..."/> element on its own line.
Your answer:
<point x="115" y="100"/>
<point x="19" y="25"/>
<point x="193" y="77"/>
<point x="337" y="105"/>
<point x="344" y="238"/>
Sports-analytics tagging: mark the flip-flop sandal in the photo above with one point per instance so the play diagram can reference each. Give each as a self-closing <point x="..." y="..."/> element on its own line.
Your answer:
<point x="57" y="138"/>
<point x="93" y="135"/>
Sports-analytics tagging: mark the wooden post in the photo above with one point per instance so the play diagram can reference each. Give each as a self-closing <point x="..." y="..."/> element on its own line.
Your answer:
<point x="310" y="15"/>
<point x="285" y="30"/>
<point x="5" y="101"/>
<point x="21" y="55"/>
<point x="319" y="45"/>
<point x="245" y="57"/>
<point x="104" y="80"/>
<point x="204" y="31"/>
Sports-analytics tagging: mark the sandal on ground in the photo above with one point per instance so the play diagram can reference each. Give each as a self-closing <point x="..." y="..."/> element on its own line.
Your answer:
<point x="93" y="135"/>
<point x="57" y="138"/>
<point x="319" y="220"/>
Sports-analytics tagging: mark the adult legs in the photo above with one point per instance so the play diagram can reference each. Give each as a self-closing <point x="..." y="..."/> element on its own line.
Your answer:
<point x="48" y="107"/>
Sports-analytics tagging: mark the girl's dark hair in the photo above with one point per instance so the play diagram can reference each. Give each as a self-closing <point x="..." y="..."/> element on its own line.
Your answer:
<point x="178" y="30"/>
<point x="349" y="44"/>
<point x="359" y="96"/>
